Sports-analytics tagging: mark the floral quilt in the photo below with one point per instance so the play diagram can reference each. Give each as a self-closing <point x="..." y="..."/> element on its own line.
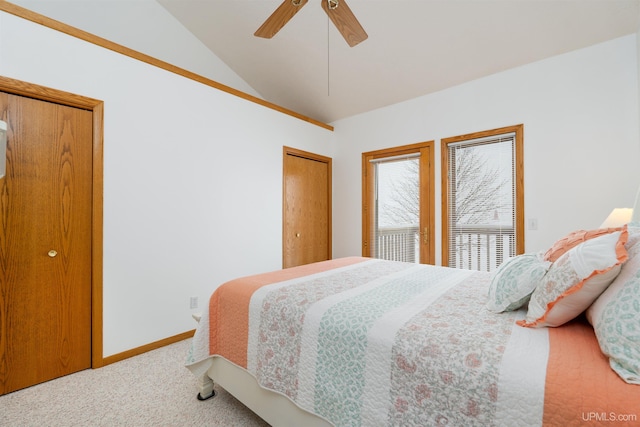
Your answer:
<point x="367" y="342"/>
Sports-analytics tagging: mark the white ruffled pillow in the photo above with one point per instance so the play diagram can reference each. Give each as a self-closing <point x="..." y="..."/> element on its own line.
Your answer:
<point x="576" y="280"/>
<point x="514" y="281"/>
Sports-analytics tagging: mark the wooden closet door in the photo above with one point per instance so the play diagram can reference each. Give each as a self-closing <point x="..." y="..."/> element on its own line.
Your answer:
<point x="45" y="242"/>
<point x="307" y="208"/>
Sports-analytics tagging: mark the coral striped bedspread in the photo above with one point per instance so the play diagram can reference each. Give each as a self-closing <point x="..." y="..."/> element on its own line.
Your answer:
<point x="365" y="342"/>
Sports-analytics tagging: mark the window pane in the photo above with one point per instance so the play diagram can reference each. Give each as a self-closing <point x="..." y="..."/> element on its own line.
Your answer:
<point x="396" y="216"/>
<point x="481" y="203"/>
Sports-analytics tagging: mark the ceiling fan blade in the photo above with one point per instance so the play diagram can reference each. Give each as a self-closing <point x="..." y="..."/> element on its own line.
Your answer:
<point x="279" y="18"/>
<point x="345" y="21"/>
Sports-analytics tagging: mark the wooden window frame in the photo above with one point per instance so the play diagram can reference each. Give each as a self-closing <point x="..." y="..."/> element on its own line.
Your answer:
<point x="427" y="181"/>
<point x="519" y="183"/>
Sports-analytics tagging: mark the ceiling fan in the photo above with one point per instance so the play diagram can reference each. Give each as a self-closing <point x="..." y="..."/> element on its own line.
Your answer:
<point x="338" y="12"/>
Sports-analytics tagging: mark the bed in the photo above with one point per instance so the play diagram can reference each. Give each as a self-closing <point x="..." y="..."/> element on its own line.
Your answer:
<point x="366" y="342"/>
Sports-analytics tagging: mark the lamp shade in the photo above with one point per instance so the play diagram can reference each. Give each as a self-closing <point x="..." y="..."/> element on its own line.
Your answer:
<point x="617" y="218"/>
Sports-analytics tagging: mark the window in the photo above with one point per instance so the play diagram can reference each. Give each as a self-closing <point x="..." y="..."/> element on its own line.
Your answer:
<point x="483" y="198"/>
<point x="398" y="203"/>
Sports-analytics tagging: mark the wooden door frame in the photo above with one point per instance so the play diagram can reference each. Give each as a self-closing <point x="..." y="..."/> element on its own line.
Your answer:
<point x="96" y="107"/>
<point x="289" y="151"/>
<point x="427" y="181"/>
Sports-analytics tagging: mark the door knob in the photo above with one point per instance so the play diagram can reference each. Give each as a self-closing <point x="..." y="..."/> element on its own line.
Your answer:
<point x="52" y="253"/>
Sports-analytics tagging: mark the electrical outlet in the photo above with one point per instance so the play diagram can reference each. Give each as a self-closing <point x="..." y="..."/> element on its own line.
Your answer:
<point x="193" y="303"/>
<point x="533" y="224"/>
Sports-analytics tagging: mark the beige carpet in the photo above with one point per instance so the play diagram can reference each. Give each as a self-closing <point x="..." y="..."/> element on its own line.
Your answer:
<point x="153" y="389"/>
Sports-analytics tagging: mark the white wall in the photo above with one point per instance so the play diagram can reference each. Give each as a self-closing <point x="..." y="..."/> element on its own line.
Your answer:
<point x="144" y="26"/>
<point x="192" y="178"/>
<point x="581" y="149"/>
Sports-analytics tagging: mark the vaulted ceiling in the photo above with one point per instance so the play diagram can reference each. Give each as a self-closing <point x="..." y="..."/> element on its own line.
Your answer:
<point x="415" y="47"/>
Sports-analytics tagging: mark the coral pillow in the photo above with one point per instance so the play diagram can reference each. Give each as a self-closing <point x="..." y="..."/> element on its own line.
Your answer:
<point x="514" y="281"/>
<point x="576" y="280"/>
<point x="573" y="239"/>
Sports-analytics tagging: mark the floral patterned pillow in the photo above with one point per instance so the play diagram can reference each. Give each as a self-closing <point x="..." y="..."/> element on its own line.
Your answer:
<point x="576" y="280"/>
<point x="615" y="317"/>
<point x="514" y="281"/>
<point x="634" y="236"/>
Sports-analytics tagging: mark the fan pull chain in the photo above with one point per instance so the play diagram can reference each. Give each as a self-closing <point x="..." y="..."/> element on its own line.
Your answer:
<point x="328" y="56"/>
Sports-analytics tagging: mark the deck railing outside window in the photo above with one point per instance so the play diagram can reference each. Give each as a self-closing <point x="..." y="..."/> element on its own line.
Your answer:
<point x="481" y="247"/>
<point x="397" y="243"/>
<point x="477" y="247"/>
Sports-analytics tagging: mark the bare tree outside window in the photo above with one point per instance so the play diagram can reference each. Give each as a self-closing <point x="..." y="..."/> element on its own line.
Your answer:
<point x="398" y="203"/>
<point x="480" y="189"/>
<point x="482" y="198"/>
<point x="479" y="192"/>
<point x="402" y="204"/>
<point x="397" y="214"/>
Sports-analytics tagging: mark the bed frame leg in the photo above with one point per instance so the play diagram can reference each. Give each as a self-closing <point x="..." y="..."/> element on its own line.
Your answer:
<point x="205" y="385"/>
